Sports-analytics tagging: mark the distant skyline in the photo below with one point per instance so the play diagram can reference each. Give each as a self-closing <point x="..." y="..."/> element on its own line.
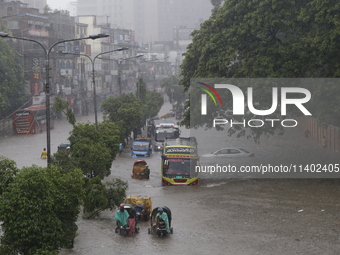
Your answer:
<point x="59" y="4"/>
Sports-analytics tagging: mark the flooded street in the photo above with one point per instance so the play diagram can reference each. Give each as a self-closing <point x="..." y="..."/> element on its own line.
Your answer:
<point x="223" y="215"/>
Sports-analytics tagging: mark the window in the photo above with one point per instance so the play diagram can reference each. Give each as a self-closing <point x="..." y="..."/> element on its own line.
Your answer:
<point x="68" y="64"/>
<point x="62" y="64"/>
<point x="232" y="151"/>
<point x="9" y="11"/>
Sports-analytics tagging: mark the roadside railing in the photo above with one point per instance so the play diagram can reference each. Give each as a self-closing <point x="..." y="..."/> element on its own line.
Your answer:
<point x="328" y="136"/>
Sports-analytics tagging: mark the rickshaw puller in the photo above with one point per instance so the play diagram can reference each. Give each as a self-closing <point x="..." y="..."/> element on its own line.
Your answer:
<point x="122" y="216"/>
<point x="162" y="215"/>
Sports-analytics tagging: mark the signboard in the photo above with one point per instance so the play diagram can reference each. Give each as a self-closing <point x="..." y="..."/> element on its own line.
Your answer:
<point x="35" y="88"/>
<point x="19" y="114"/>
<point x="35" y="69"/>
<point x="40" y="33"/>
<point x="88" y="49"/>
<point x="180" y="150"/>
<point x="70" y="100"/>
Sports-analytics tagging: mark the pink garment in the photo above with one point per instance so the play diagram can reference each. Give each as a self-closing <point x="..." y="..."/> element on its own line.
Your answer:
<point x="132" y="222"/>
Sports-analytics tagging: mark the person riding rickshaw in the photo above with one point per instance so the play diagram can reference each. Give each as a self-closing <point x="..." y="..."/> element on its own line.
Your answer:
<point x="126" y="220"/>
<point x="140" y="170"/>
<point x="160" y="221"/>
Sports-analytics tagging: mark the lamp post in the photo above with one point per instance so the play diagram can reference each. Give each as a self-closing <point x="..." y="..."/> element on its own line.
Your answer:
<point x="93" y="77"/>
<point x="119" y="62"/>
<point x="47" y="82"/>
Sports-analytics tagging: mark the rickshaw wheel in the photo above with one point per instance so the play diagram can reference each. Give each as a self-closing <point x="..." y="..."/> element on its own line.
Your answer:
<point x="149" y="231"/>
<point x="171" y="230"/>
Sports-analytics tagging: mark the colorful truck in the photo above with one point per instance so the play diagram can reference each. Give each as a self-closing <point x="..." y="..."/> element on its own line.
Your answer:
<point x="141" y="147"/>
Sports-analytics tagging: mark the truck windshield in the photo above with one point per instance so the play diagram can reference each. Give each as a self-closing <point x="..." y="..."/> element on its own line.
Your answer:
<point x="178" y="167"/>
<point x="169" y="133"/>
<point x="140" y="146"/>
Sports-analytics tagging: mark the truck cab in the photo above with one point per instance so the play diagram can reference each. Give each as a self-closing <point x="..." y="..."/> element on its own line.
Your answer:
<point x="141" y="147"/>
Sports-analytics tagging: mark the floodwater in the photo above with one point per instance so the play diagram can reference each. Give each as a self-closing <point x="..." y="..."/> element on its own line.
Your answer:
<point x="223" y="215"/>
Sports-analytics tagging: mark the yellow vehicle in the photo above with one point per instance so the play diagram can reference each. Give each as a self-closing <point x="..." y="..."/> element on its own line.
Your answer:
<point x="140" y="170"/>
<point x="179" y="161"/>
<point x="142" y="205"/>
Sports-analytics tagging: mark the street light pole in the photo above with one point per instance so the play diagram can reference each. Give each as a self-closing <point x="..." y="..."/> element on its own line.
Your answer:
<point x="94" y="77"/>
<point x="47" y="81"/>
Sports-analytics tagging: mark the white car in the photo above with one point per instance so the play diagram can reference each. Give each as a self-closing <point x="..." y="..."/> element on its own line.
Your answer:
<point x="229" y="153"/>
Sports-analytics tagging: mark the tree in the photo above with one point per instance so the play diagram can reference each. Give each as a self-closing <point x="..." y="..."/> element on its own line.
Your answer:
<point x="173" y="91"/>
<point x="153" y="104"/>
<point x="94" y="150"/>
<point x="8" y="171"/>
<point x="47" y="9"/>
<point x="12" y="83"/>
<point x="63" y="106"/>
<point x="266" y="39"/>
<point x="39" y="210"/>
<point x="101" y="196"/>
<point x="141" y="90"/>
<point x="217" y="4"/>
<point x="92" y="157"/>
<point x="64" y="161"/>
<point x="126" y="108"/>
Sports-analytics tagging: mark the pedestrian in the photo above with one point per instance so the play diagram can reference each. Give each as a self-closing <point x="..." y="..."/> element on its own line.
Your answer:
<point x="324" y="142"/>
<point x="44" y="154"/>
<point x="306" y="133"/>
<point x="120" y="149"/>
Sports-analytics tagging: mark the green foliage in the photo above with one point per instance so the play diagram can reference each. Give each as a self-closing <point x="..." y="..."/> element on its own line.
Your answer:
<point x="174" y="92"/>
<point x="94" y="196"/>
<point x="92" y="157"/>
<point x="47" y="9"/>
<point x="217" y="4"/>
<point x="63" y="160"/>
<point x="39" y="210"/>
<point x="101" y="196"/>
<point x="94" y="150"/>
<point x="269" y="39"/>
<point x="12" y="83"/>
<point x="63" y="106"/>
<point x="125" y="108"/>
<point x="153" y="104"/>
<point x="141" y="91"/>
<point x="112" y="135"/>
<point x="8" y="171"/>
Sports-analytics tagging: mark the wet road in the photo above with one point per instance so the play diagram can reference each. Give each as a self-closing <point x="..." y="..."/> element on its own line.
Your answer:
<point x="221" y="216"/>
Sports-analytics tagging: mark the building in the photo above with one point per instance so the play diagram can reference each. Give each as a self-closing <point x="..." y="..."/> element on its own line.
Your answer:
<point x="39" y="4"/>
<point x="152" y="20"/>
<point x="72" y="63"/>
<point x="29" y="23"/>
<point x="72" y="8"/>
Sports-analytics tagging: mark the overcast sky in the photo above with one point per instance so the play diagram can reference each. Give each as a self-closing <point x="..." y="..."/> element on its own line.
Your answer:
<point x="59" y="4"/>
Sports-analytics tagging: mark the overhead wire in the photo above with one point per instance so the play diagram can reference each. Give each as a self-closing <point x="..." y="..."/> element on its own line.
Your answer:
<point x="11" y="114"/>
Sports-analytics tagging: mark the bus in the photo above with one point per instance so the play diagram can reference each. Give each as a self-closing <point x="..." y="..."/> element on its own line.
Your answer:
<point x="30" y="120"/>
<point x="179" y="161"/>
<point x="164" y="131"/>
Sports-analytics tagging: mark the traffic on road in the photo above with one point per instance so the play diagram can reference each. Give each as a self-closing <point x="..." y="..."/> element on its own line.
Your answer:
<point x="221" y="215"/>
